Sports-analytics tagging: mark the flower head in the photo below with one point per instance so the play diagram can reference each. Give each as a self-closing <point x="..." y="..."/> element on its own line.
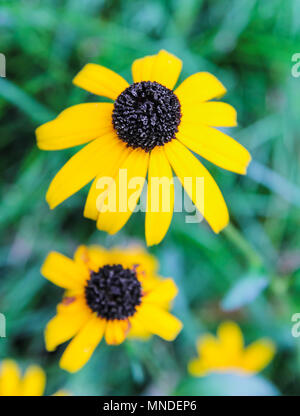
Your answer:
<point x="226" y="353"/>
<point x="31" y="384"/>
<point x="109" y="293"/>
<point x="150" y="128"/>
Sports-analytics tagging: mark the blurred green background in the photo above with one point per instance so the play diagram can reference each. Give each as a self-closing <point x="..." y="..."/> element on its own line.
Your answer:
<point x="249" y="273"/>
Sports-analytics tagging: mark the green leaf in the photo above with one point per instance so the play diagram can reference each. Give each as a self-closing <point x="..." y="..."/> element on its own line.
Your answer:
<point x="245" y="291"/>
<point x="13" y="94"/>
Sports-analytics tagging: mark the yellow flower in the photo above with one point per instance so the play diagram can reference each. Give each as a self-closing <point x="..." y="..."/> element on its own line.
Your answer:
<point x="110" y="294"/>
<point x="149" y="128"/>
<point x="32" y="384"/>
<point x="226" y="353"/>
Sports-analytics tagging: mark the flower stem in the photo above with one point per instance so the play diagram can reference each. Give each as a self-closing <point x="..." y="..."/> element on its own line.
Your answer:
<point x="236" y="238"/>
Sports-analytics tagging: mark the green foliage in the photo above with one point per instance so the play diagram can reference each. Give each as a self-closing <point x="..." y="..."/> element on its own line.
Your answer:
<point x="249" y="46"/>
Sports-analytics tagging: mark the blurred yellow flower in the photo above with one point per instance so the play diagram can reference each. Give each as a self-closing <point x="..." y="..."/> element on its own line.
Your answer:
<point x="109" y="293"/>
<point x="151" y="128"/>
<point x="31" y="384"/>
<point x="226" y="353"/>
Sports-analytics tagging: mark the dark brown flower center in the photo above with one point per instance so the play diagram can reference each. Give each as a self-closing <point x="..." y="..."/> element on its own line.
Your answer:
<point x="113" y="292"/>
<point x="146" y="115"/>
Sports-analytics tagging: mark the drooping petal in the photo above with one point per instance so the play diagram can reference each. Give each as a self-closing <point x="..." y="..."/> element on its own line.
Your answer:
<point x="34" y="382"/>
<point x="116" y="331"/>
<point x="210" y="113"/>
<point x="215" y="146"/>
<point x="122" y="198"/>
<point x="79" y="170"/>
<point x="90" y="208"/>
<point x="69" y="320"/>
<point x="137" y="330"/>
<point x="163" y="68"/>
<point x="162" y="293"/>
<point x="258" y="355"/>
<point x="81" y="348"/>
<point x="158" y="321"/>
<point x="100" y="81"/>
<point x="76" y="125"/>
<point x="63" y="271"/>
<point x="149" y="281"/>
<point x="207" y="198"/>
<point x="200" y="87"/>
<point x="9" y="378"/>
<point x="160" y="197"/>
<point x="108" y="169"/>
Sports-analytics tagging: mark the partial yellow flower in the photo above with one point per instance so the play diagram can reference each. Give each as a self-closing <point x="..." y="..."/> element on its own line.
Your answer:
<point x="108" y="293"/>
<point x="226" y="353"/>
<point x="150" y="128"/>
<point x="13" y="384"/>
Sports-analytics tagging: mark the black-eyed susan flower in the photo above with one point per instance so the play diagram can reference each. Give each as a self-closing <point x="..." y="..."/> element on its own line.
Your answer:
<point x="108" y="293"/>
<point x="151" y="128"/>
<point x="226" y="353"/>
<point x="31" y="384"/>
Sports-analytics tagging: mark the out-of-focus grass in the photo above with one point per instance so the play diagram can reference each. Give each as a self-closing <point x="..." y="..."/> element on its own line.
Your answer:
<point x="248" y="45"/>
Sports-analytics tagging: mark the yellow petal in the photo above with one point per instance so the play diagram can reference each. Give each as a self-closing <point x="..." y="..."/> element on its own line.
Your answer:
<point x="79" y="170"/>
<point x="215" y="146"/>
<point x="63" y="271"/>
<point x="208" y="348"/>
<point x="9" y="378"/>
<point x="135" y="255"/>
<point x="98" y="255"/>
<point x="125" y="193"/>
<point x="116" y="331"/>
<point x="158" y="321"/>
<point x="149" y="282"/>
<point x="231" y="338"/>
<point x="142" y="69"/>
<point x="210" y="113"/>
<point x="211" y="205"/>
<point x="214" y="356"/>
<point x="258" y="355"/>
<point x="100" y="81"/>
<point x="34" y="382"/>
<point x="90" y="208"/>
<point x="118" y="152"/>
<point x="91" y="257"/>
<point x="197" y="367"/>
<point x="62" y="392"/>
<point x="81" y="348"/>
<point x="69" y="320"/>
<point x="81" y="256"/>
<point x="163" y="68"/>
<point x="76" y="125"/>
<point x="200" y="87"/>
<point x="160" y="197"/>
<point x="137" y="330"/>
<point x="162" y="293"/>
